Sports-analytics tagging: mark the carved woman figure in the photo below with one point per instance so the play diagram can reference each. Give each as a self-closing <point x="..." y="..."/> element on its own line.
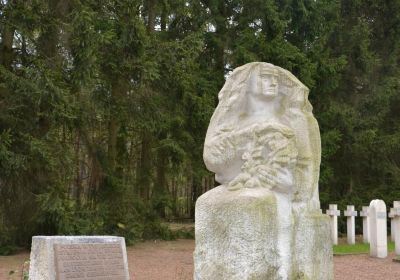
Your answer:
<point x="264" y="221"/>
<point x="248" y="143"/>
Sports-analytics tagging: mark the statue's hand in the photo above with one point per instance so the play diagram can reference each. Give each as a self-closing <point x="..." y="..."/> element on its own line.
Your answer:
<point x="284" y="180"/>
<point x="239" y="181"/>
<point x="267" y="176"/>
<point x="276" y="177"/>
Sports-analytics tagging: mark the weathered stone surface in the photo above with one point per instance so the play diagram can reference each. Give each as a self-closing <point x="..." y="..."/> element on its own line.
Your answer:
<point x="231" y="221"/>
<point x="78" y="258"/>
<point x="378" y="229"/>
<point x="264" y="221"/>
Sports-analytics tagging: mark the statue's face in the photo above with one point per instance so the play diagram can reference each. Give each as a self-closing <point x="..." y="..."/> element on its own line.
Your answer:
<point x="262" y="85"/>
<point x="269" y="85"/>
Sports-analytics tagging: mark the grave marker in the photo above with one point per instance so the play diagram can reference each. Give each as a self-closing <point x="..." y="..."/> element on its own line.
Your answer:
<point x="333" y="213"/>
<point x="396" y="226"/>
<point x="392" y="224"/>
<point x="351" y="227"/>
<point x="364" y="215"/>
<point x="378" y="230"/>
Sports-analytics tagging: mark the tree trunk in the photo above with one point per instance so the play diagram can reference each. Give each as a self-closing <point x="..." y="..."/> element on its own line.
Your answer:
<point x="164" y="16"/>
<point x="221" y="37"/>
<point x="76" y="192"/>
<point x="175" y="194"/>
<point x="48" y="42"/>
<point x="118" y="90"/>
<point x="6" y="50"/>
<point x="49" y="38"/>
<point x="151" y="14"/>
<point x="160" y="186"/>
<point x="189" y="194"/>
<point x="113" y="127"/>
<point x="144" y="167"/>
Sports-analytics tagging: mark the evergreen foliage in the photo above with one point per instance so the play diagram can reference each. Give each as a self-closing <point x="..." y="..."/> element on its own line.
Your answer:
<point x="104" y="104"/>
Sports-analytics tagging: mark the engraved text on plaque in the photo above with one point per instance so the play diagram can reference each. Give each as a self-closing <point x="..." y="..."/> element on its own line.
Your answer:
<point x="89" y="261"/>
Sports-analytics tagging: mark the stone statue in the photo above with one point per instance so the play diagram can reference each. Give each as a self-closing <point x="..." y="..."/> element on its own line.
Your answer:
<point x="264" y="221"/>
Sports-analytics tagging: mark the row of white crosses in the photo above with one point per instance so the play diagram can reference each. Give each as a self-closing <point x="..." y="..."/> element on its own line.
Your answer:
<point x="394" y="214"/>
<point x="350" y="213"/>
<point x="374" y="226"/>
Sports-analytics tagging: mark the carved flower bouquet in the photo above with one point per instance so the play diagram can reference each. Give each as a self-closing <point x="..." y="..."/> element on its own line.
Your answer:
<point x="269" y="158"/>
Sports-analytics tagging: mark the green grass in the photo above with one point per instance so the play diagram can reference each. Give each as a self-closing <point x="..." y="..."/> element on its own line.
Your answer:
<point x="358" y="248"/>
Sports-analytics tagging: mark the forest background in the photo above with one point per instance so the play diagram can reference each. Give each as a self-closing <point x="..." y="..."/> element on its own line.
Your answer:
<point x="104" y="104"/>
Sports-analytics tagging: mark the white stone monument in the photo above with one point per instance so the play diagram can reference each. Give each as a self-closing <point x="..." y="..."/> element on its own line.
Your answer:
<point x="351" y="224"/>
<point x="396" y="204"/>
<point x="378" y="229"/>
<point x="78" y="257"/>
<point x="396" y="226"/>
<point x="392" y="224"/>
<point x="364" y="215"/>
<point x="333" y="214"/>
<point x="264" y="221"/>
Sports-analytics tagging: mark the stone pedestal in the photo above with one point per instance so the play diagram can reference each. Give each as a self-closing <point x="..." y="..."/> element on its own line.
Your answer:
<point x="313" y="255"/>
<point x="239" y="236"/>
<point x="364" y="215"/>
<point x="333" y="214"/>
<point x="351" y="225"/>
<point x="378" y="229"/>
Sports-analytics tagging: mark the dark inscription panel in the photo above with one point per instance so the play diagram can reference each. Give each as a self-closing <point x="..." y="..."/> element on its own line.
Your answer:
<point x="89" y="261"/>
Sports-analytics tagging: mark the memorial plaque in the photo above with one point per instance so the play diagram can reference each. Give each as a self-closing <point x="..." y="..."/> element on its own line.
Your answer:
<point x="381" y="215"/>
<point x="89" y="261"/>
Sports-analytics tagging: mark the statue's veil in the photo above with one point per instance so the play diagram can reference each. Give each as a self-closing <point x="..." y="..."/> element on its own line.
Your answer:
<point x="232" y="97"/>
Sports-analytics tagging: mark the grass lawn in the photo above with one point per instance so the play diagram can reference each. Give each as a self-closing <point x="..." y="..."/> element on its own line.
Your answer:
<point x="358" y="248"/>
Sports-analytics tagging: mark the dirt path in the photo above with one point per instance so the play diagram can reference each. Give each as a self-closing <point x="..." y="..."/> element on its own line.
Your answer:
<point x="362" y="267"/>
<point x="11" y="266"/>
<point x="172" y="260"/>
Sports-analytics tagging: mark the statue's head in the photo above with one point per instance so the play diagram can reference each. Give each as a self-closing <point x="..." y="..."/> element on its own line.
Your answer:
<point x="262" y="82"/>
<point x="259" y="84"/>
<point x="260" y="78"/>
